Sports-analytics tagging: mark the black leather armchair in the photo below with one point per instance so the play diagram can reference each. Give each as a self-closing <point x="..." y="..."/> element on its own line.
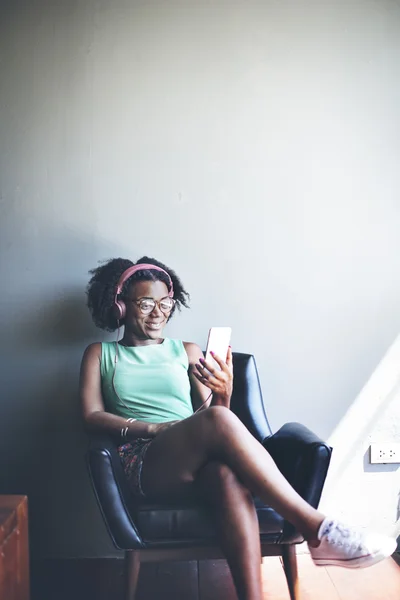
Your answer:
<point x="154" y="532"/>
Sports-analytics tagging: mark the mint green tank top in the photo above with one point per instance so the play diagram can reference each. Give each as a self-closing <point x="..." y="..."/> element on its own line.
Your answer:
<point x="152" y="381"/>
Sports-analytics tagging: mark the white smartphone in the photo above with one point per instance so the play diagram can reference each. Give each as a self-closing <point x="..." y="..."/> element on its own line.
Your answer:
<point x="218" y="342"/>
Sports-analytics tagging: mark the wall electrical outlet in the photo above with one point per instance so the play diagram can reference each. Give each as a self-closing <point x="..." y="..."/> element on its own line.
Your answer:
<point x="385" y="453"/>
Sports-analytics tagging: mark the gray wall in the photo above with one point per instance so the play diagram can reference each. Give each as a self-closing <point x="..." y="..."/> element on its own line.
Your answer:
<point x="254" y="147"/>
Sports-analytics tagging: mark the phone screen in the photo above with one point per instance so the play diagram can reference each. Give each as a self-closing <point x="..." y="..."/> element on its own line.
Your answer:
<point x="218" y="342"/>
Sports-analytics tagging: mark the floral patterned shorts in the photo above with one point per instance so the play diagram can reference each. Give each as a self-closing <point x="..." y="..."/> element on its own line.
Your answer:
<point x="132" y="455"/>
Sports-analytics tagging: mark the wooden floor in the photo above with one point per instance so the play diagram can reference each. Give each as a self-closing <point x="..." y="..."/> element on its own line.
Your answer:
<point x="210" y="580"/>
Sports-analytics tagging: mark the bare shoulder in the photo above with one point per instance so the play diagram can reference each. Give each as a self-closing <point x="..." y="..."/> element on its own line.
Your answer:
<point x="193" y="351"/>
<point x="92" y="352"/>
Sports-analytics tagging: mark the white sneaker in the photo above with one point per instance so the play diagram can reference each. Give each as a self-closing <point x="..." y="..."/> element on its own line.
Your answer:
<point x="350" y="547"/>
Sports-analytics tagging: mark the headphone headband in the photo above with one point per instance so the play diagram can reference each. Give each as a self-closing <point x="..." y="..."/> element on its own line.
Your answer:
<point x="142" y="267"/>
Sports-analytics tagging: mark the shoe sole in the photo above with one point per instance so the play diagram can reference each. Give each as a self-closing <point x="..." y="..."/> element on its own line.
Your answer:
<point x="355" y="563"/>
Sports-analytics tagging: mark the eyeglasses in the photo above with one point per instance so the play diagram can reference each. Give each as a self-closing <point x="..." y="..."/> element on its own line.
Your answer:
<point x="147" y="305"/>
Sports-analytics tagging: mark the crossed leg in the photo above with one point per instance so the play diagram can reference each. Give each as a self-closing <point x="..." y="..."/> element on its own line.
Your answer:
<point x="236" y="523"/>
<point x="176" y="458"/>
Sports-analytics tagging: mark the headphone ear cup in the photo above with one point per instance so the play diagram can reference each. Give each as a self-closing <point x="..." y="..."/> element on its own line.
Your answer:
<point x="119" y="310"/>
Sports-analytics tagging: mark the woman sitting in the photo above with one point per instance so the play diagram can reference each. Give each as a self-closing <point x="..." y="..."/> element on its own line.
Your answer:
<point x="170" y="409"/>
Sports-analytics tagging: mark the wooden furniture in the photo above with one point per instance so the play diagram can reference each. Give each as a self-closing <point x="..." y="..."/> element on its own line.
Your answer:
<point x="14" y="551"/>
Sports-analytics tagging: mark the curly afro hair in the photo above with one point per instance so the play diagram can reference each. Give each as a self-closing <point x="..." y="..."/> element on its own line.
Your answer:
<point x="103" y="283"/>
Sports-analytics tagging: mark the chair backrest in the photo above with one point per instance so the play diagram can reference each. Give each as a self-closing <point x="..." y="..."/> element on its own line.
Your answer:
<point x="247" y="401"/>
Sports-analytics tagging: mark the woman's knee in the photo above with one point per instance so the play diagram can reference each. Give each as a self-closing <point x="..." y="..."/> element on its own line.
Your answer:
<point x="217" y="473"/>
<point x="218" y="480"/>
<point x="220" y="419"/>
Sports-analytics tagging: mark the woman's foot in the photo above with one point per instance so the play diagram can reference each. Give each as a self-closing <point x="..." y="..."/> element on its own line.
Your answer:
<point x="349" y="547"/>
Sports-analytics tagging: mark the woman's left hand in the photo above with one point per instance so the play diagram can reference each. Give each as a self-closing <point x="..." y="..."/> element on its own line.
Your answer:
<point x="220" y="382"/>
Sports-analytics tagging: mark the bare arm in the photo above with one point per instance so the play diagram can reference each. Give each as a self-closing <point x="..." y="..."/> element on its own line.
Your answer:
<point x="95" y="417"/>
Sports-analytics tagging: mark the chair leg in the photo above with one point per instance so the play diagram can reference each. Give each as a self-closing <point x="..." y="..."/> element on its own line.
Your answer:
<point x="132" y="567"/>
<point x="290" y="566"/>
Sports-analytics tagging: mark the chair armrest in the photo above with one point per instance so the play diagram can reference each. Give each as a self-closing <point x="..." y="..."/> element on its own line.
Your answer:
<point x="302" y="457"/>
<point x="112" y="492"/>
<point x="102" y="441"/>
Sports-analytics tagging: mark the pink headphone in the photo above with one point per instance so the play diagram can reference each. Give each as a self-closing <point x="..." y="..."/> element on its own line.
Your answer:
<point x="119" y="307"/>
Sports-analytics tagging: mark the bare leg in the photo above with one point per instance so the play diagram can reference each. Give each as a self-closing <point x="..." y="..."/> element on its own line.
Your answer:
<point x="236" y="523"/>
<point x="177" y="454"/>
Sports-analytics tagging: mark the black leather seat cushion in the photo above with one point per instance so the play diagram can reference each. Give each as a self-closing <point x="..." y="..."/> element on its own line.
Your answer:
<point x="160" y="522"/>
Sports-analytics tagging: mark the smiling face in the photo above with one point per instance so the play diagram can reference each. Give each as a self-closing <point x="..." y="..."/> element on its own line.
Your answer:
<point x="145" y="328"/>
